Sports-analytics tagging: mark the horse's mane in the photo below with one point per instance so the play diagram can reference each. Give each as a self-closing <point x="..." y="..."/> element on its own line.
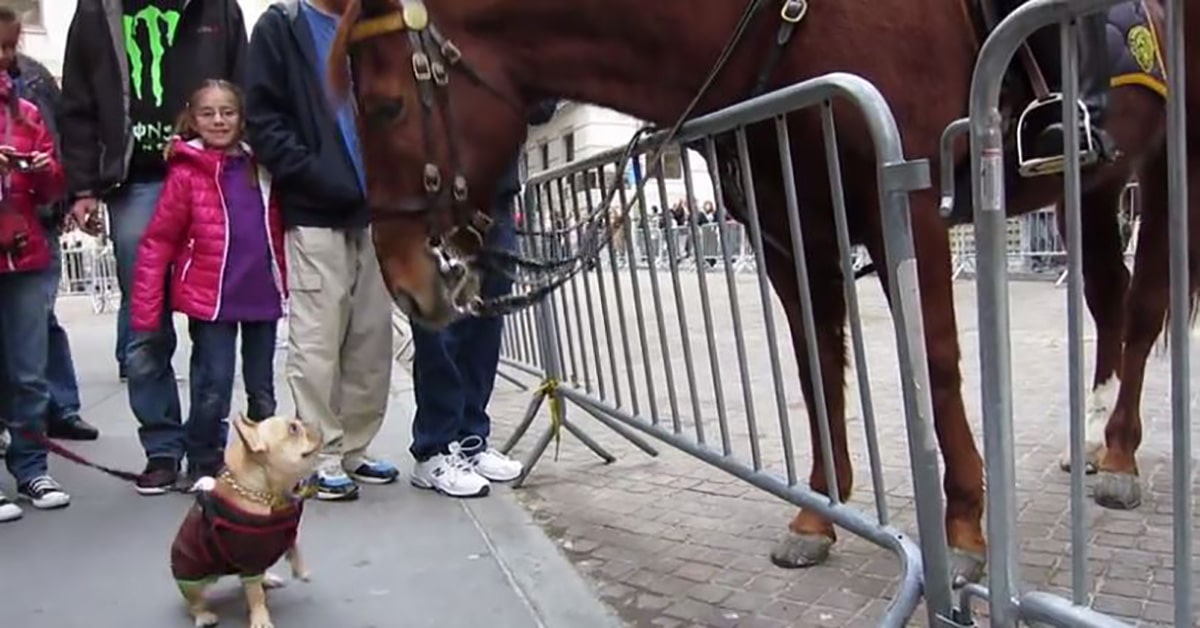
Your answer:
<point x="339" y="51"/>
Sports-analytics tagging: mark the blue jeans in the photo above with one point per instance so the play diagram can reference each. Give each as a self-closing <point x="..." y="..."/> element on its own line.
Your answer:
<point x="23" y="334"/>
<point x="153" y="393"/>
<point x="60" y="368"/>
<point x="214" y="358"/>
<point x="454" y="370"/>
<point x="129" y="213"/>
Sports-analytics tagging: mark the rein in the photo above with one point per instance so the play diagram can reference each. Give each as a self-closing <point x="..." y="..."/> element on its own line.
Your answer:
<point x="433" y="54"/>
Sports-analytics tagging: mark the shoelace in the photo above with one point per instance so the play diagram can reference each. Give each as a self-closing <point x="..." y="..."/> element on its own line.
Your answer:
<point x="43" y="485"/>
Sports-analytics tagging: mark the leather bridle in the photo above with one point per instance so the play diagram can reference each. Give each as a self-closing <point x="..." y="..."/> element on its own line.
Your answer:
<point x="433" y="57"/>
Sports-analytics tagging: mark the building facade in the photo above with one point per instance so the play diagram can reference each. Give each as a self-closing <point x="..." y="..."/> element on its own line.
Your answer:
<point x="579" y="131"/>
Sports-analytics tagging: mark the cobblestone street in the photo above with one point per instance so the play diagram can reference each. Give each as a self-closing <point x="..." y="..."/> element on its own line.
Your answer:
<point x="672" y="541"/>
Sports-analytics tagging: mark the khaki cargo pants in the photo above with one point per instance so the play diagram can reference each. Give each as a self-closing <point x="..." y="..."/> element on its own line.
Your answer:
<point x="339" y="362"/>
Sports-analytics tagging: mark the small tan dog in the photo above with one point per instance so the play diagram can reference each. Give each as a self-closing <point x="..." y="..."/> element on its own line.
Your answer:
<point x="244" y="521"/>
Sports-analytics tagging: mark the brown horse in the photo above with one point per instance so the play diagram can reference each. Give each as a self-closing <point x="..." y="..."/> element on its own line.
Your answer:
<point x="649" y="60"/>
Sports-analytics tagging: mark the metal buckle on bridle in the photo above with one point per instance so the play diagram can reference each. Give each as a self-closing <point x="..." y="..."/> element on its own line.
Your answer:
<point x="793" y="11"/>
<point x="440" y="77"/>
<point x="460" y="188"/>
<point x="433" y="179"/>
<point x="421" y="69"/>
<point x="451" y="52"/>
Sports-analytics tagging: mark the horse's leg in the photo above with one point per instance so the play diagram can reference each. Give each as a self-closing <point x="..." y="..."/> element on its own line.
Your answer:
<point x="963" y="479"/>
<point x="1118" y="485"/>
<point x="810" y="535"/>
<point x="1105" y="282"/>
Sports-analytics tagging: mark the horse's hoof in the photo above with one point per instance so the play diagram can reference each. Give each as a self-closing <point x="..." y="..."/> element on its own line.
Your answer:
<point x="966" y="567"/>
<point x="796" y="551"/>
<point x="1118" y="491"/>
<point x="1089" y="468"/>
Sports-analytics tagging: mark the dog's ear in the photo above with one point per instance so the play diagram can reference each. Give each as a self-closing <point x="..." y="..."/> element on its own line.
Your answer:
<point x="247" y="431"/>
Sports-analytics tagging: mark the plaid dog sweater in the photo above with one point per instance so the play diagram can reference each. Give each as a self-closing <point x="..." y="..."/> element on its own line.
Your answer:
<point x="219" y="539"/>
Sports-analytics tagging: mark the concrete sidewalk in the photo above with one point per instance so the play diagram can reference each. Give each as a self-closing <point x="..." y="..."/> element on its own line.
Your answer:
<point x="396" y="557"/>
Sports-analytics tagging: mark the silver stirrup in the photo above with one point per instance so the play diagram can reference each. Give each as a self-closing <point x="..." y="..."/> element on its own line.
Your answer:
<point x="1042" y="166"/>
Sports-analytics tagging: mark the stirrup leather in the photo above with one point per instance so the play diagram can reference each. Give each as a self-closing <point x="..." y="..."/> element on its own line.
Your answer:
<point x="1055" y="164"/>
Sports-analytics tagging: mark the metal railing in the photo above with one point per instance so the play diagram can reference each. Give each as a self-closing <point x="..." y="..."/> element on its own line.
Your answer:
<point x="1007" y="600"/>
<point x="675" y="351"/>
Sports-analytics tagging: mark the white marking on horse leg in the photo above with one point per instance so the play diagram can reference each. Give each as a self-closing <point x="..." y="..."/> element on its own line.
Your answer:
<point x="1100" y="404"/>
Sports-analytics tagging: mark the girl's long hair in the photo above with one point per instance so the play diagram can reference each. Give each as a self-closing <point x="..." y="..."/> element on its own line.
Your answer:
<point x="185" y="127"/>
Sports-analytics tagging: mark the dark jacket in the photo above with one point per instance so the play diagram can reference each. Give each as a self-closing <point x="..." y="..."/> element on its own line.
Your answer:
<point x="210" y="43"/>
<point x="510" y="183"/>
<point x="37" y="85"/>
<point x="290" y="124"/>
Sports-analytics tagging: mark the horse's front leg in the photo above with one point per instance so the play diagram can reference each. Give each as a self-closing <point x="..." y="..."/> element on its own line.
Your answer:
<point x="810" y="535"/>
<point x="963" y="480"/>
<point x="1105" y="283"/>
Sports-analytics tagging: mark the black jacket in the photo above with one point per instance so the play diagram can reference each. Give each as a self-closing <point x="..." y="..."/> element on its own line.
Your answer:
<point x="291" y="125"/>
<point x="37" y="85"/>
<point x="210" y="43"/>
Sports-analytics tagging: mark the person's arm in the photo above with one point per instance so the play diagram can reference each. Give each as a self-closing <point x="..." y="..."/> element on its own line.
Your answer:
<point x="236" y="71"/>
<point x="165" y="234"/>
<point x="77" y="117"/>
<point x="270" y="125"/>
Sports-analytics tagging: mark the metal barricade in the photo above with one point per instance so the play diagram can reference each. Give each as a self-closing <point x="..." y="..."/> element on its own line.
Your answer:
<point x="1008" y="602"/>
<point x="667" y="350"/>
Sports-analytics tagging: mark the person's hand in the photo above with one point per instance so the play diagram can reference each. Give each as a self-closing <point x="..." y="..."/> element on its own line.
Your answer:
<point x="41" y="161"/>
<point x="84" y="216"/>
<point x="5" y="151"/>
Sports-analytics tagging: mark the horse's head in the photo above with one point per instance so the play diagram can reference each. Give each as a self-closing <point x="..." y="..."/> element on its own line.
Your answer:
<point x="439" y="126"/>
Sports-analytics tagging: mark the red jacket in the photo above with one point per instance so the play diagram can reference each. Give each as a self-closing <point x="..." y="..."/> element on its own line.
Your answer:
<point x="27" y="191"/>
<point x="189" y="230"/>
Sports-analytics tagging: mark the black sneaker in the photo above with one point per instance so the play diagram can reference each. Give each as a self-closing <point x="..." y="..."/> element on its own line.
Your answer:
<point x="160" y="475"/>
<point x="44" y="493"/>
<point x="71" y="428"/>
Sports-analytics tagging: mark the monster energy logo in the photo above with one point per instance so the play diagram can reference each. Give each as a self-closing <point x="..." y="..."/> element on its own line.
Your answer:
<point x="155" y="20"/>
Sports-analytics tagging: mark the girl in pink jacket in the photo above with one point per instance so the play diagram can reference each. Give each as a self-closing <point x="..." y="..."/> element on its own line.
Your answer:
<point x="218" y="231"/>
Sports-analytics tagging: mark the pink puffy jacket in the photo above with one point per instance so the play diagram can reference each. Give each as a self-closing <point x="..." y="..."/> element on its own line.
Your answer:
<point x="189" y="229"/>
<point x="28" y="190"/>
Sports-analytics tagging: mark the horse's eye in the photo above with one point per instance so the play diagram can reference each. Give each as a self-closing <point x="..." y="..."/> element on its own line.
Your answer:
<point x="387" y="112"/>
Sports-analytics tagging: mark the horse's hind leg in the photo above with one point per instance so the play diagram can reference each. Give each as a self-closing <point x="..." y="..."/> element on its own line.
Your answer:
<point x="811" y="535"/>
<point x="1105" y="282"/>
<point x="1118" y="485"/>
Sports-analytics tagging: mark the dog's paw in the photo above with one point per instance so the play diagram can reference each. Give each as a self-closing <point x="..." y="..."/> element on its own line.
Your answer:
<point x="303" y="575"/>
<point x="263" y="623"/>
<point x="273" y="581"/>
<point x="206" y="619"/>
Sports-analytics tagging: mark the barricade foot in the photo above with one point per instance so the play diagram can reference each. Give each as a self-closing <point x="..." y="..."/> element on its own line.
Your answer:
<point x="797" y="551"/>
<point x="589" y="442"/>
<point x="621" y="430"/>
<point x="531" y="412"/>
<point x="1118" y="491"/>
<point x="512" y="380"/>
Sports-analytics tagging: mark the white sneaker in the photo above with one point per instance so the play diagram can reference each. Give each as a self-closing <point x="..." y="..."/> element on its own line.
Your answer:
<point x="44" y="493"/>
<point x="8" y="510"/>
<point x="496" y="466"/>
<point x="450" y="474"/>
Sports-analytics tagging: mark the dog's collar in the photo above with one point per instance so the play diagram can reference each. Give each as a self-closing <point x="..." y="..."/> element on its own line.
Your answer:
<point x="268" y="499"/>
